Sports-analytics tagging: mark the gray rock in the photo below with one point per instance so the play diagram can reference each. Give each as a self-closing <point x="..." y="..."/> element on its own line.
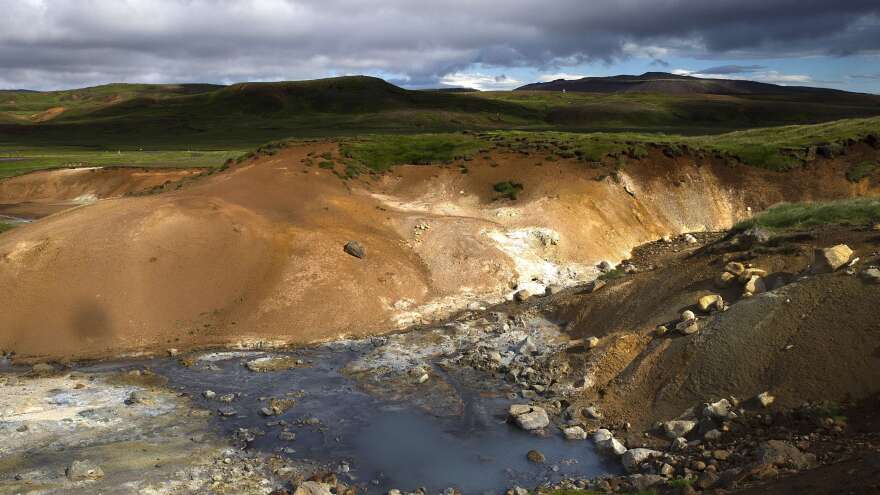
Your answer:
<point x="754" y="285"/>
<point x="606" y="442"/>
<point x="312" y="488"/>
<point x="355" y="249"/>
<point x="529" y="417"/>
<point x="678" y="428"/>
<point x="643" y="482"/>
<point x="678" y="444"/>
<point x="707" y="480"/>
<point x="209" y="394"/>
<point x="690" y="239"/>
<point x="574" y="433"/>
<point x="606" y="266"/>
<point x="139" y="397"/>
<point x="84" y="470"/>
<point x="592" y="412"/>
<point x="718" y="410"/>
<point x="633" y="458"/>
<point x="830" y="259"/>
<point x="536" y="456"/>
<point x="712" y="435"/>
<point x="783" y="454"/>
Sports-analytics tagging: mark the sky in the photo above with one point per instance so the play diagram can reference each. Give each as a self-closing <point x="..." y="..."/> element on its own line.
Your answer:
<point x="483" y="44"/>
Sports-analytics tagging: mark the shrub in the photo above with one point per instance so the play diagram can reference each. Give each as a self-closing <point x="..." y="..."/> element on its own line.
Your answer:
<point x="508" y="189"/>
<point x="861" y="170"/>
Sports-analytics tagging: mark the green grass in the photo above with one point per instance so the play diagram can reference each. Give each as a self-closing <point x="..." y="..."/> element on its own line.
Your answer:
<point x="787" y="216"/>
<point x="861" y="170"/>
<point x="15" y="160"/>
<point x="4" y="226"/>
<point x="381" y="152"/>
<point x="508" y="189"/>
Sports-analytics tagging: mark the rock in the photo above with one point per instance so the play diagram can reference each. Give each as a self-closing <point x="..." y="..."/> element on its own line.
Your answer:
<point x="678" y="428"/>
<point x="871" y="275"/>
<point x="606" y="442"/>
<point x="529" y="417"/>
<point x="752" y="236"/>
<point x="783" y="454"/>
<point x="591" y="342"/>
<point x="706" y="480"/>
<point x="592" y="412"/>
<point x="720" y="454"/>
<point x="574" y="433"/>
<point x="209" y="394"/>
<point x="643" y="482"/>
<point x="517" y="491"/>
<point x="172" y="352"/>
<point x="751" y="272"/>
<point x="667" y="470"/>
<point x="690" y="239"/>
<point x="633" y="458"/>
<point x="661" y="330"/>
<point x="712" y="435"/>
<point x="553" y="289"/>
<point x="754" y="285"/>
<point x="678" y="444"/>
<point x="712" y="301"/>
<point x="735" y="268"/>
<point x="521" y="295"/>
<point x="718" y="410"/>
<point x="726" y="279"/>
<point x="605" y="266"/>
<point x="830" y="259"/>
<point x="688" y="327"/>
<point x="765" y="399"/>
<point x="84" y="470"/>
<point x="355" y="249"/>
<point x="688" y="315"/>
<point x="536" y="457"/>
<point x="312" y="488"/>
<point x="227" y="398"/>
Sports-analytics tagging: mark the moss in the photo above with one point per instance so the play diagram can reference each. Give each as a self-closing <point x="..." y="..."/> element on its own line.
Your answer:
<point x="784" y="216"/>
<point x="508" y="189"/>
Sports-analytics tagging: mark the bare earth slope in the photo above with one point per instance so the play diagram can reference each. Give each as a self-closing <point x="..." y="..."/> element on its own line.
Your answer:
<point x="254" y="255"/>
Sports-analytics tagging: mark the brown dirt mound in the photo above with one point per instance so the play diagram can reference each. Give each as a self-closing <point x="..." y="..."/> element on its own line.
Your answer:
<point x="815" y="338"/>
<point x="254" y="255"/>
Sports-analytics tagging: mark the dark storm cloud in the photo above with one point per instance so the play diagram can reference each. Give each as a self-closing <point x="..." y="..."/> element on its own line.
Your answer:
<point x="57" y="43"/>
<point x="732" y="69"/>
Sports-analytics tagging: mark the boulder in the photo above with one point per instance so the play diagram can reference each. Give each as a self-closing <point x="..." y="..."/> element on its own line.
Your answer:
<point x="529" y="417"/>
<point x="678" y="428"/>
<point x="718" y="410"/>
<point x="678" y="444"/>
<point x="312" y="488"/>
<point x="592" y="412"/>
<point x="748" y="273"/>
<point x="690" y="239"/>
<point x="84" y="470"/>
<point x="726" y="279"/>
<point x="355" y="249"/>
<point x="830" y="259"/>
<point x="605" y="266"/>
<point x="712" y="301"/>
<point x="522" y="295"/>
<point x="643" y="482"/>
<point x="574" y="433"/>
<point x="783" y="454"/>
<point x="633" y="458"/>
<point x="536" y="456"/>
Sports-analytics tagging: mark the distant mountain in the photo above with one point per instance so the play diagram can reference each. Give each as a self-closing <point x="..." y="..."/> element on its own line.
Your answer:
<point x="674" y="84"/>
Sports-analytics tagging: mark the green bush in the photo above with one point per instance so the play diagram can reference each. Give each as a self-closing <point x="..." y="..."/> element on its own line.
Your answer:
<point x="508" y="189"/>
<point x="859" y="211"/>
<point x="861" y="170"/>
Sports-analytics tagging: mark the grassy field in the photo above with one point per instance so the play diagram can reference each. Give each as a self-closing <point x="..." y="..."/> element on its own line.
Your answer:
<point x="14" y="161"/>
<point x="382" y="125"/>
<point x="785" y="216"/>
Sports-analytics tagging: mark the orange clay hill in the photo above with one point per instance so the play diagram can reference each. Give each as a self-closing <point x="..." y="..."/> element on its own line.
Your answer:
<point x="253" y="255"/>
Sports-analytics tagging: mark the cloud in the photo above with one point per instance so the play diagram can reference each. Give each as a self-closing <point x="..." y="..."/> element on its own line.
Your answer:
<point x="752" y="73"/>
<point x="873" y="77"/>
<point x="482" y="82"/>
<point x="732" y="69"/>
<point x="560" y="75"/>
<point x="64" y="43"/>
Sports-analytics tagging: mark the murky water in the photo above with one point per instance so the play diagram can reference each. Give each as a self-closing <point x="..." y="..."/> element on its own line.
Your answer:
<point x="375" y="443"/>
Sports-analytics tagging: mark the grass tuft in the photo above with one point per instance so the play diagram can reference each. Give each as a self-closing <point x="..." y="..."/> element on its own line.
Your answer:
<point x="861" y="170"/>
<point x="785" y="216"/>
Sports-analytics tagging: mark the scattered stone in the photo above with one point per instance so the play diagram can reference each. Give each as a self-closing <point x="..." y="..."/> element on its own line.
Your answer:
<point x="735" y="268"/>
<point x="591" y="342"/>
<point x="172" y="352"/>
<point x="712" y="301"/>
<point x="726" y="279"/>
<point x="605" y="266"/>
<point x="667" y="470"/>
<point x="643" y="482"/>
<point x="766" y="399"/>
<point x="536" y="457"/>
<point x="227" y="398"/>
<point x="690" y="239"/>
<point x="688" y="327"/>
<point x="754" y="285"/>
<point x="139" y="397"/>
<point x="718" y="410"/>
<point x="661" y="330"/>
<point x="720" y="454"/>
<point x="713" y="434"/>
<point x="529" y="417"/>
<point x="517" y="491"/>
<point x="84" y="470"/>
<point x="594" y="285"/>
<point x="313" y="488"/>
<point x="678" y="444"/>
<point x="706" y="480"/>
<point x="830" y="259"/>
<point x="355" y="249"/>
<point x="592" y="412"/>
<point x="752" y="272"/>
<point x="678" y="428"/>
<point x="606" y="442"/>
<point x="688" y="315"/>
<point x="574" y="433"/>
<point x="783" y="454"/>
<point x="522" y="295"/>
<point x="209" y="394"/>
<point x="633" y="458"/>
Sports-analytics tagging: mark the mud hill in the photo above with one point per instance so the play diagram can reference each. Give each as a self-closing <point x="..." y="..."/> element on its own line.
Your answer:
<point x="255" y="254"/>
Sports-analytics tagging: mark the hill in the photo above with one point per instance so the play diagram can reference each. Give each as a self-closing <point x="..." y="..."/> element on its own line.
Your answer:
<point x="666" y="83"/>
